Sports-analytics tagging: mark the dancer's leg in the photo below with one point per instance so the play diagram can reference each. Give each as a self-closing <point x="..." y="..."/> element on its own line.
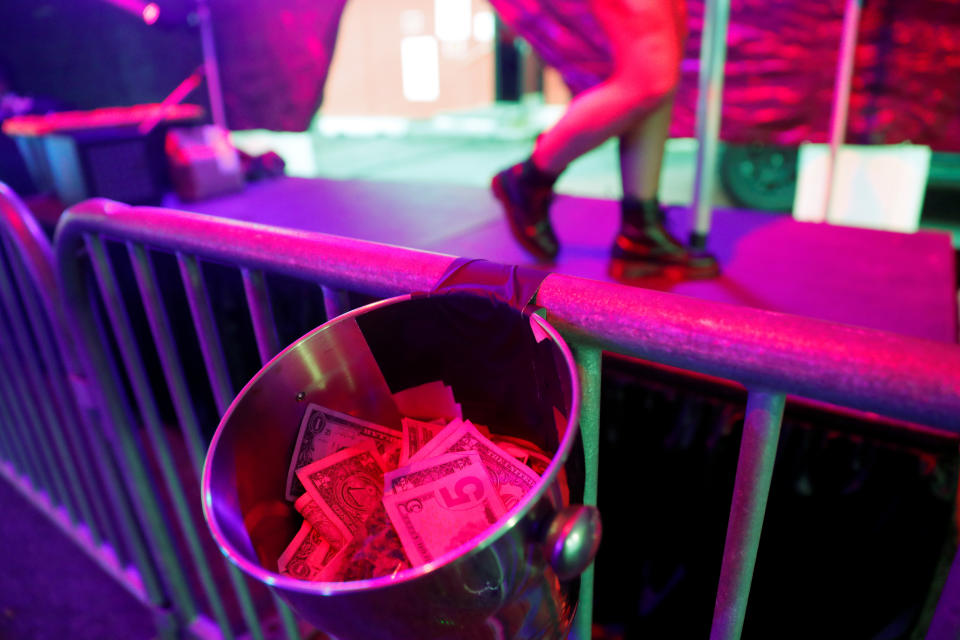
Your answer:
<point x="600" y="113"/>
<point x="646" y="38"/>
<point x="646" y="47"/>
<point x="641" y="152"/>
<point x="644" y="247"/>
<point x="642" y="145"/>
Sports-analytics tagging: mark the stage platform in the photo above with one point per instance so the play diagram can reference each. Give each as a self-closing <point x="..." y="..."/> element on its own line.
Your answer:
<point x="903" y="283"/>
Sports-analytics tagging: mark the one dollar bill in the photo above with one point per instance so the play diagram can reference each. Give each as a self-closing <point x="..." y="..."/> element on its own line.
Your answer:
<point x="323" y="432"/>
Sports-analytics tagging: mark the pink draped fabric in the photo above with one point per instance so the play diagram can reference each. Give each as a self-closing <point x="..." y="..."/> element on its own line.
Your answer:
<point x="274" y="58"/>
<point x="781" y="61"/>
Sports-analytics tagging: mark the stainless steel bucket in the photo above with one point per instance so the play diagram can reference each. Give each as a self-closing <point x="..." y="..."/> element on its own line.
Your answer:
<point x="509" y="371"/>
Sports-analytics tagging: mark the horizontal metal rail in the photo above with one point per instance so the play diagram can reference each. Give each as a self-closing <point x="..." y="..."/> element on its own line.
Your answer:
<point x="867" y="369"/>
<point x="771" y="354"/>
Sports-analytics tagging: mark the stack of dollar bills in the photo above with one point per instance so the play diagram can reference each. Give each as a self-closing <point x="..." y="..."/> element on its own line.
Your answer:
<point x="376" y="501"/>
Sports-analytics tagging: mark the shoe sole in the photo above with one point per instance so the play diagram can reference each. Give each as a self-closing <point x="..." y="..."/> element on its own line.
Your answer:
<point x="496" y="185"/>
<point x="643" y="271"/>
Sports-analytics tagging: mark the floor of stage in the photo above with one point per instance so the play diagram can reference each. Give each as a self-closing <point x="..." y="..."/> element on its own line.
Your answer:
<point x="904" y="283"/>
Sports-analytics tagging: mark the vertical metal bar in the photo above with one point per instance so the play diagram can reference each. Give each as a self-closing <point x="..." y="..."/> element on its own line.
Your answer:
<point x="120" y="527"/>
<point x="136" y="374"/>
<point x="335" y="301"/>
<point x="65" y="420"/>
<point x="713" y="57"/>
<point x="261" y="314"/>
<point x="210" y="66"/>
<point x="6" y="449"/>
<point x="21" y="432"/>
<point x="59" y="414"/>
<point x="52" y="437"/>
<point x="140" y="482"/>
<point x="34" y="467"/>
<point x="89" y="487"/>
<point x="141" y="524"/>
<point x="589" y="361"/>
<point x="189" y="424"/>
<point x="43" y="315"/>
<point x="11" y="447"/>
<point x="7" y="455"/>
<point x="268" y="345"/>
<point x="110" y="505"/>
<point x="219" y="376"/>
<point x="18" y="454"/>
<point x="163" y="338"/>
<point x="23" y="429"/>
<point x="758" y="451"/>
<point x="113" y="506"/>
<point x="130" y="477"/>
<point x="8" y="459"/>
<point x="32" y="426"/>
<point x="205" y="326"/>
<point x="841" y="98"/>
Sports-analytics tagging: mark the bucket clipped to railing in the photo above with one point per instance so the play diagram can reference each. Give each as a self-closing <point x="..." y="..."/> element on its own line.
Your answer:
<point x="413" y="468"/>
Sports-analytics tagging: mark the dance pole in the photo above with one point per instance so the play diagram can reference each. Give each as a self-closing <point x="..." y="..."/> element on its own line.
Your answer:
<point x="713" y="56"/>
<point x="210" y="65"/>
<point x="841" y="98"/>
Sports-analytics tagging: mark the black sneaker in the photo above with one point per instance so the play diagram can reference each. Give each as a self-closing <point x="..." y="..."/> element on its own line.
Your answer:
<point x="526" y="194"/>
<point x="644" y="248"/>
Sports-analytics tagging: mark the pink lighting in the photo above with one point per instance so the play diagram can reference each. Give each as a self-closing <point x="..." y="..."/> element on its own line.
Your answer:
<point x="150" y="13"/>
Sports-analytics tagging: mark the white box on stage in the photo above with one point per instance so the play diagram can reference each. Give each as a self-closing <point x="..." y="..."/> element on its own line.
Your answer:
<point x="878" y="186"/>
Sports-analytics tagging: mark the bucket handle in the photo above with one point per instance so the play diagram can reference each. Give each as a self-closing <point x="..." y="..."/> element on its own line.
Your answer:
<point x="508" y="283"/>
<point x="572" y="539"/>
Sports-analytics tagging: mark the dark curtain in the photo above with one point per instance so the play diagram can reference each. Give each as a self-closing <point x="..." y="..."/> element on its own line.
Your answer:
<point x="274" y="55"/>
<point x="781" y="65"/>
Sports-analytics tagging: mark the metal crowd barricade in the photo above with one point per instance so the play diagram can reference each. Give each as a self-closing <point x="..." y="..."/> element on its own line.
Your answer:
<point x="771" y="354"/>
<point x="89" y="469"/>
<point x="86" y="467"/>
<point x="102" y="318"/>
<point x="51" y="446"/>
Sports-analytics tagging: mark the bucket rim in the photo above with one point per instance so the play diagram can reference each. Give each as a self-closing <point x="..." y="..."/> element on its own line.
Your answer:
<point x="469" y="548"/>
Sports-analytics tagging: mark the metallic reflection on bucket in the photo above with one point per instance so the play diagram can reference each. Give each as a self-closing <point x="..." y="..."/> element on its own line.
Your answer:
<point x="511" y="372"/>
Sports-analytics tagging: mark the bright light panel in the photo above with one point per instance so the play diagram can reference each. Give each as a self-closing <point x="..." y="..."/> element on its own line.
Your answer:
<point x="452" y="19"/>
<point x="483" y="26"/>
<point x="413" y="22"/>
<point x="420" y="68"/>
